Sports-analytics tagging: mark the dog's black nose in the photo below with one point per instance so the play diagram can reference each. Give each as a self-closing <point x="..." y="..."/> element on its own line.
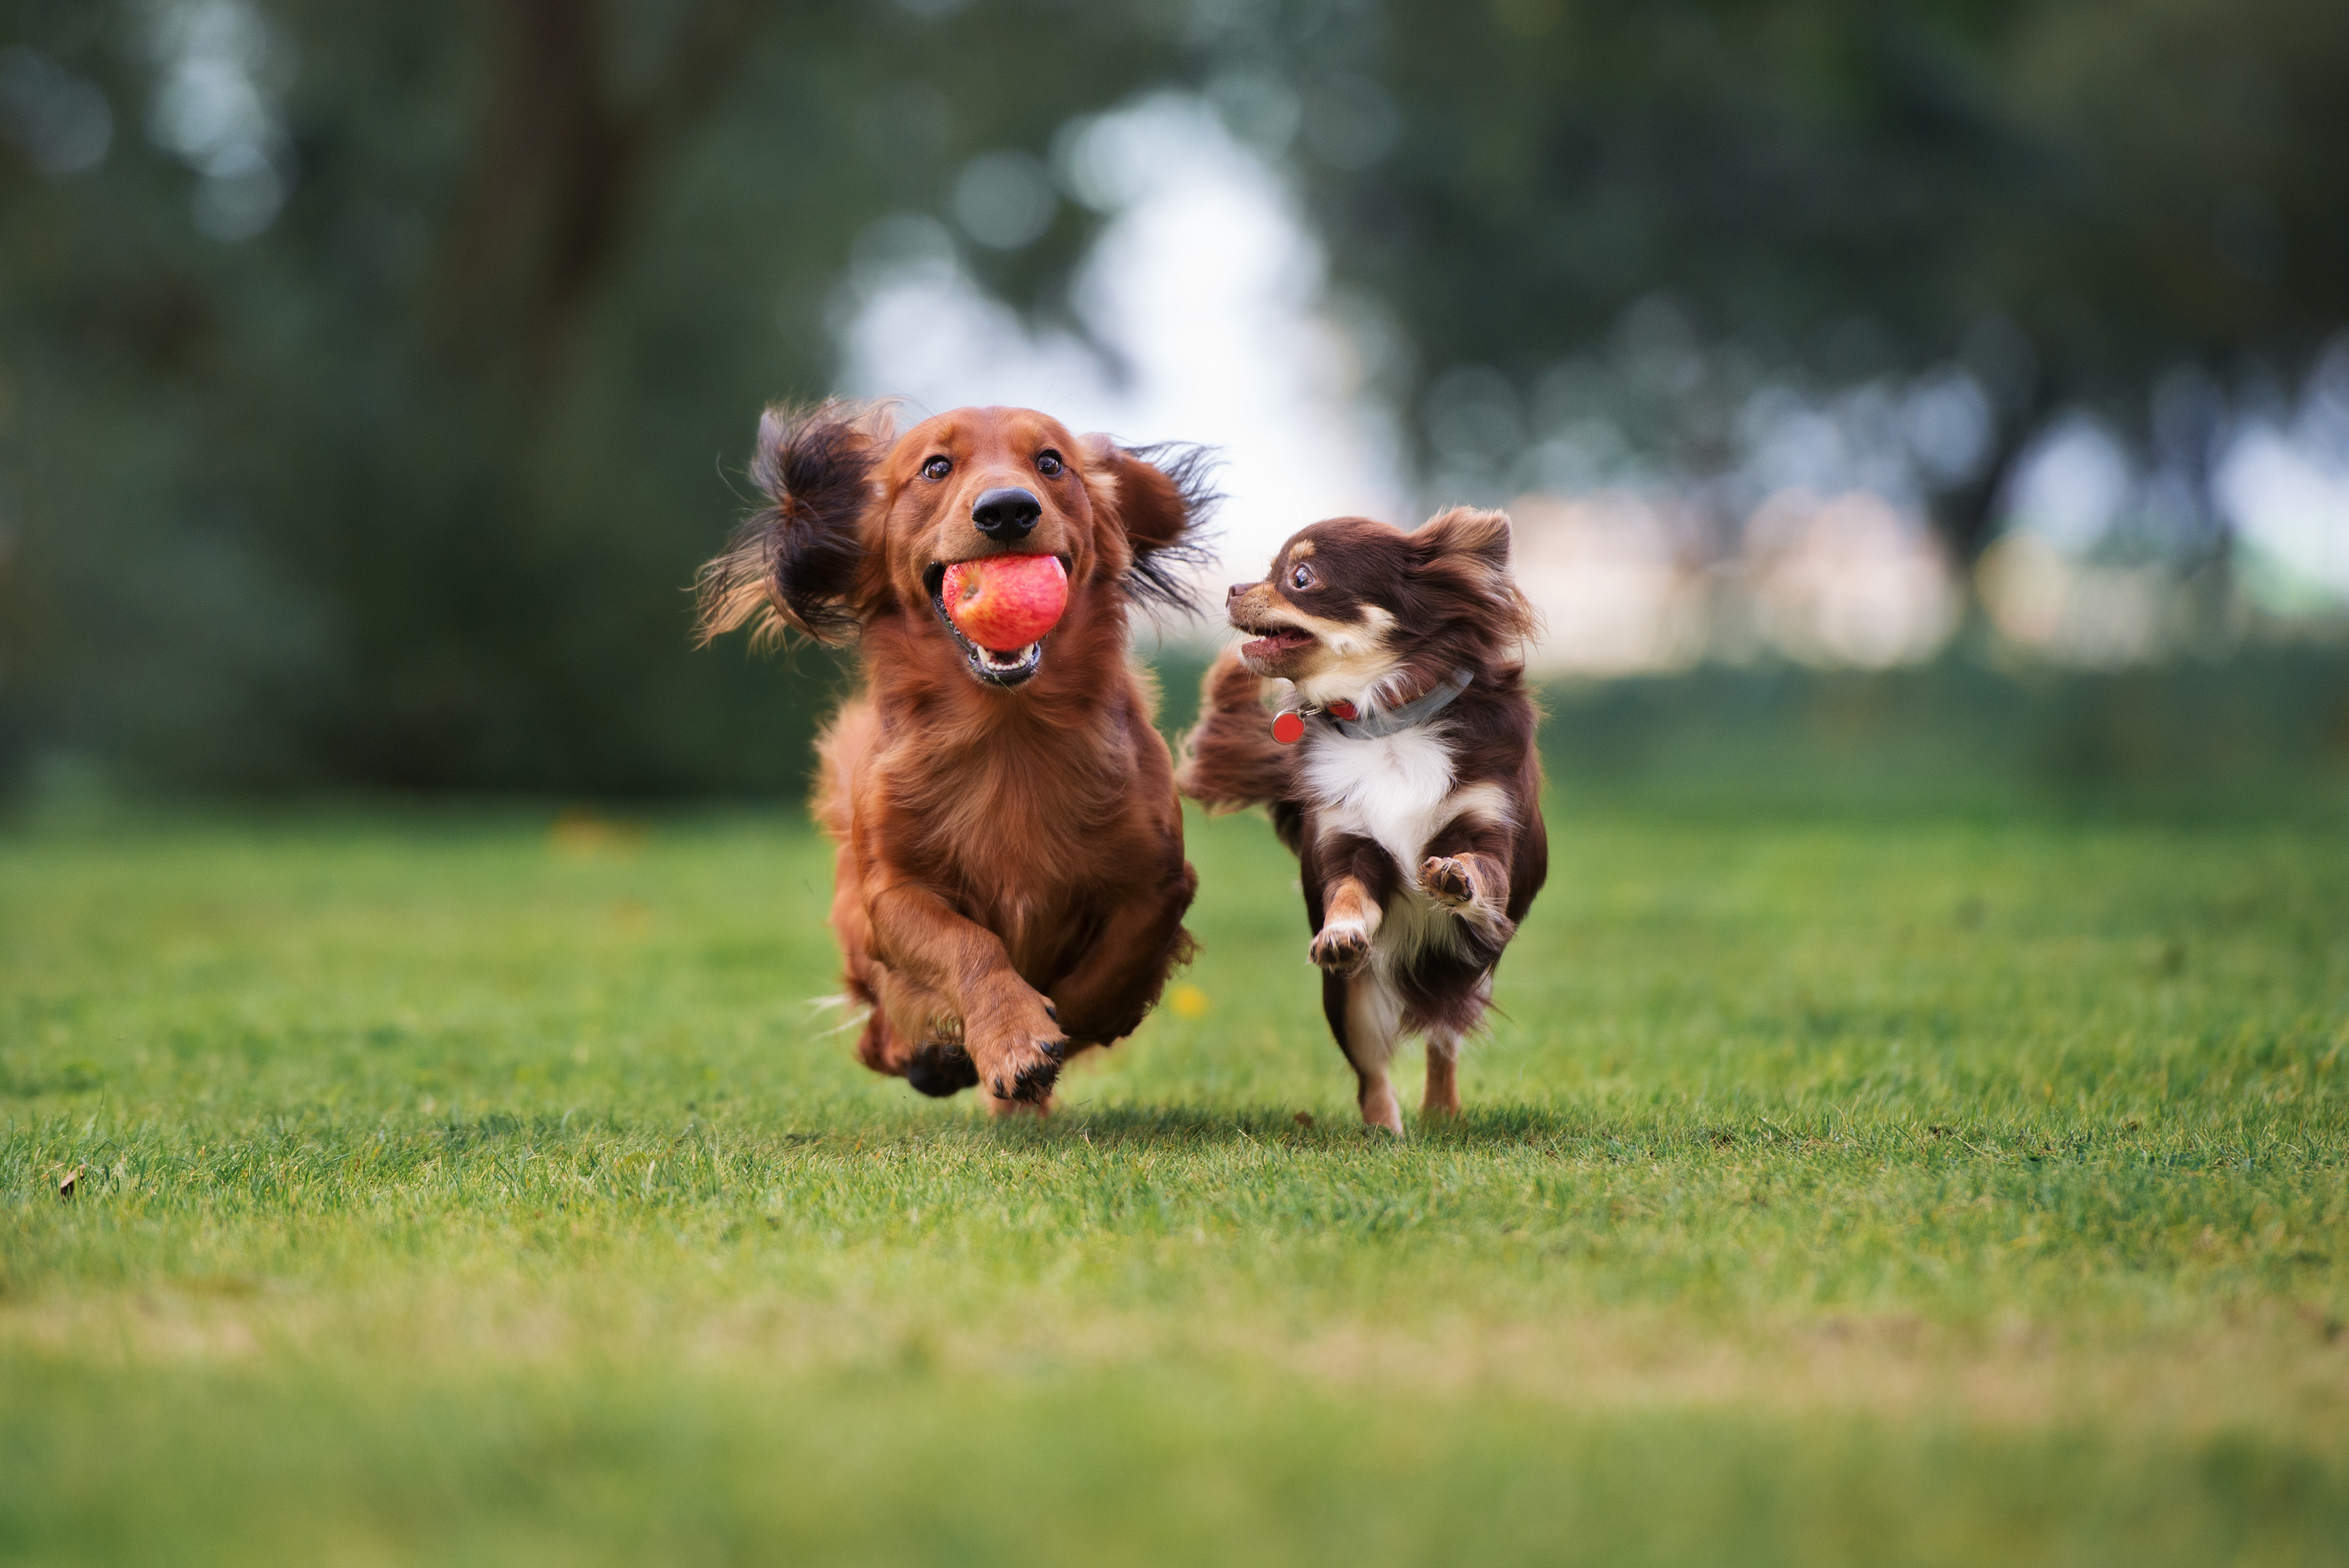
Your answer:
<point x="1006" y="514"/>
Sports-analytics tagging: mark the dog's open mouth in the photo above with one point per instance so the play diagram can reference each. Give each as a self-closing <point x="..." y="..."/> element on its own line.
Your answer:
<point x="995" y="667"/>
<point x="1271" y="642"/>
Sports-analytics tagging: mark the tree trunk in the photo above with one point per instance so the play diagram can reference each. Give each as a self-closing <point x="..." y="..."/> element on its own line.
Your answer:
<point x="1968" y="516"/>
<point x="555" y="170"/>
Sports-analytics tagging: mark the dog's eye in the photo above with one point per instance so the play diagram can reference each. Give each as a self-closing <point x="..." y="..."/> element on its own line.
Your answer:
<point x="1302" y="578"/>
<point x="937" y="469"/>
<point x="1048" y="463"/>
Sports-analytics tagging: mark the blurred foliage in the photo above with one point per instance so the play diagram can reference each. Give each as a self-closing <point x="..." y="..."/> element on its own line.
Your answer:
<point x="408" y="490"/>
<point x="2078" y="204"/>
<point x="2263" y="733"/>
<point x="405" y="487"/>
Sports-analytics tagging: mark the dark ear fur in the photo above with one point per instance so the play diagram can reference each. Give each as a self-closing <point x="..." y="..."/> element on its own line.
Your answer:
<point x="1469" y="533"/>
<point x="1164" y="498"/>
<point x="795" y="563"/>
<point x="1468" y="550"/>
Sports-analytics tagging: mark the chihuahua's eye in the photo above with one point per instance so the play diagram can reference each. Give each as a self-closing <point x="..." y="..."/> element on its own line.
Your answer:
<point x="937" y="469"/>
<point x="1048" y="463"/>
<point x="1302" y="578"/>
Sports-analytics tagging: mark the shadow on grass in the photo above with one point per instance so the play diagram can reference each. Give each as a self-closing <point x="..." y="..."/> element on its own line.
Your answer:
<point x="1578" y="1134"/>
<point x="1511" y="1126"/>
<point x="1583" y="1136"/>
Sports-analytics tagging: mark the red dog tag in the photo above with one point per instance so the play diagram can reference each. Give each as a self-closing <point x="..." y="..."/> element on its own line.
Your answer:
<point x="1288" y="728"/>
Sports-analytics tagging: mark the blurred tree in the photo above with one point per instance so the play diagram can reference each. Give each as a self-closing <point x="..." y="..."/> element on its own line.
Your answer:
<point x="367" y="401"/>
<point x="2074" y="203"/>
<point x="370" y="373"/>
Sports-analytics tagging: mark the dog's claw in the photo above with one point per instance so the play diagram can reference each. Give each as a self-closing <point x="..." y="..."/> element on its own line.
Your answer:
<point x="1019" y="1044"/>
<point x="1023" y="1060"/>
<point x="1340" y="951"/>
<point x="1032" y="1084"/>
<point x="1447" y="882"/>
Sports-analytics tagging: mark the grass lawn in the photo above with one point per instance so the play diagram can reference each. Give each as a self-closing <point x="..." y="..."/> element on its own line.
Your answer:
<point x="1915" y="1190"/>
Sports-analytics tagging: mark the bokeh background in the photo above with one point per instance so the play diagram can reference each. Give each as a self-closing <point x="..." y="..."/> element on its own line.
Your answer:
<point x="1941" y="399"/>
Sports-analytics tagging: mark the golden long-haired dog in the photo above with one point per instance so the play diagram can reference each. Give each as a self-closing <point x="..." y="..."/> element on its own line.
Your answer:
<point x="1010" y="882"/>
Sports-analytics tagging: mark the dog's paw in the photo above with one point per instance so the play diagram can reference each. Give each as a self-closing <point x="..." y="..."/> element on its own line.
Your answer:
<point x="1340" y="948"/>
<point x="1448" y="880"/>
<point x="1020" y="1052"/>
<point x="1028" y="1070"/>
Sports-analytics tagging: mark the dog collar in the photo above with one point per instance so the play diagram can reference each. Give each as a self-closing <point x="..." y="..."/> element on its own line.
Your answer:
<point x="1288" y="727"/>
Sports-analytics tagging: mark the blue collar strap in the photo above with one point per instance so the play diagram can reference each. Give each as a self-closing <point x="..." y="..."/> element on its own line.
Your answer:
<point x="1419" y="710"/>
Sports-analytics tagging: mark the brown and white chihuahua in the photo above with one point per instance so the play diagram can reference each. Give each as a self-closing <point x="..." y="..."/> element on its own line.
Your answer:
<point x="1378" y="710"/>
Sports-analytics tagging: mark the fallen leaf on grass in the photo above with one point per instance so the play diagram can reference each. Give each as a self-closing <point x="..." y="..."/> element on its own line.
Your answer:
<point x="66" y="1187"/>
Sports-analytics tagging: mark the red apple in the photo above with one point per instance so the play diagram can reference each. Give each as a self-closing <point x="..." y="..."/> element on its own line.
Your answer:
<point x="1003" y="602"/>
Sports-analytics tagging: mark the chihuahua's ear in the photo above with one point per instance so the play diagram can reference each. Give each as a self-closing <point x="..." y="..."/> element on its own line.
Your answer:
<point x="1467" y="549"/>
<point x="797" y="564"/>
<point x="1160" y="498"/>
<point x="1467" y="537"/>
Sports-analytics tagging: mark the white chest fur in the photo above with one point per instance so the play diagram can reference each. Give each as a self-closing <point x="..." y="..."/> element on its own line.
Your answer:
<point x="1395" y="790"/>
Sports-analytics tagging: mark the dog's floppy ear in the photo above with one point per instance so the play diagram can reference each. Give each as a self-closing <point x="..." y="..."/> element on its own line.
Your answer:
<point x="1467" y="549"/>
<point x="797" y="563"/>
<point x="1160" y="498"/>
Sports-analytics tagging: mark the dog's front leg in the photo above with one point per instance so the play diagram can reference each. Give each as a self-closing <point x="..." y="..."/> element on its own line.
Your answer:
<point x="1009" y="1030"/>
<point x="1467" y="871"/>
<point x="1357" y="877"/>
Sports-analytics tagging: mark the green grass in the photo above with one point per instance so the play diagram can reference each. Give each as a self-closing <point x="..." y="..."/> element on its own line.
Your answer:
<point x="1901" y="1191"/>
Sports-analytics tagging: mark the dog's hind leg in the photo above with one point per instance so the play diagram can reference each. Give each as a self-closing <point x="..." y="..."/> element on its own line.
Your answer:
<point x="913" y="1035"/>
<point x="936" y="1071"/>
<point x="1442" y="1099"/>
<point x="1366" y="1015"/>
<point x="1448" y="1015"/>
<point x="915" y="1011"/>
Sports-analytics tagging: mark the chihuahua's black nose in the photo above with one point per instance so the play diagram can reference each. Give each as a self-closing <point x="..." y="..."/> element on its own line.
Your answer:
<point x="1006" y="514"/>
